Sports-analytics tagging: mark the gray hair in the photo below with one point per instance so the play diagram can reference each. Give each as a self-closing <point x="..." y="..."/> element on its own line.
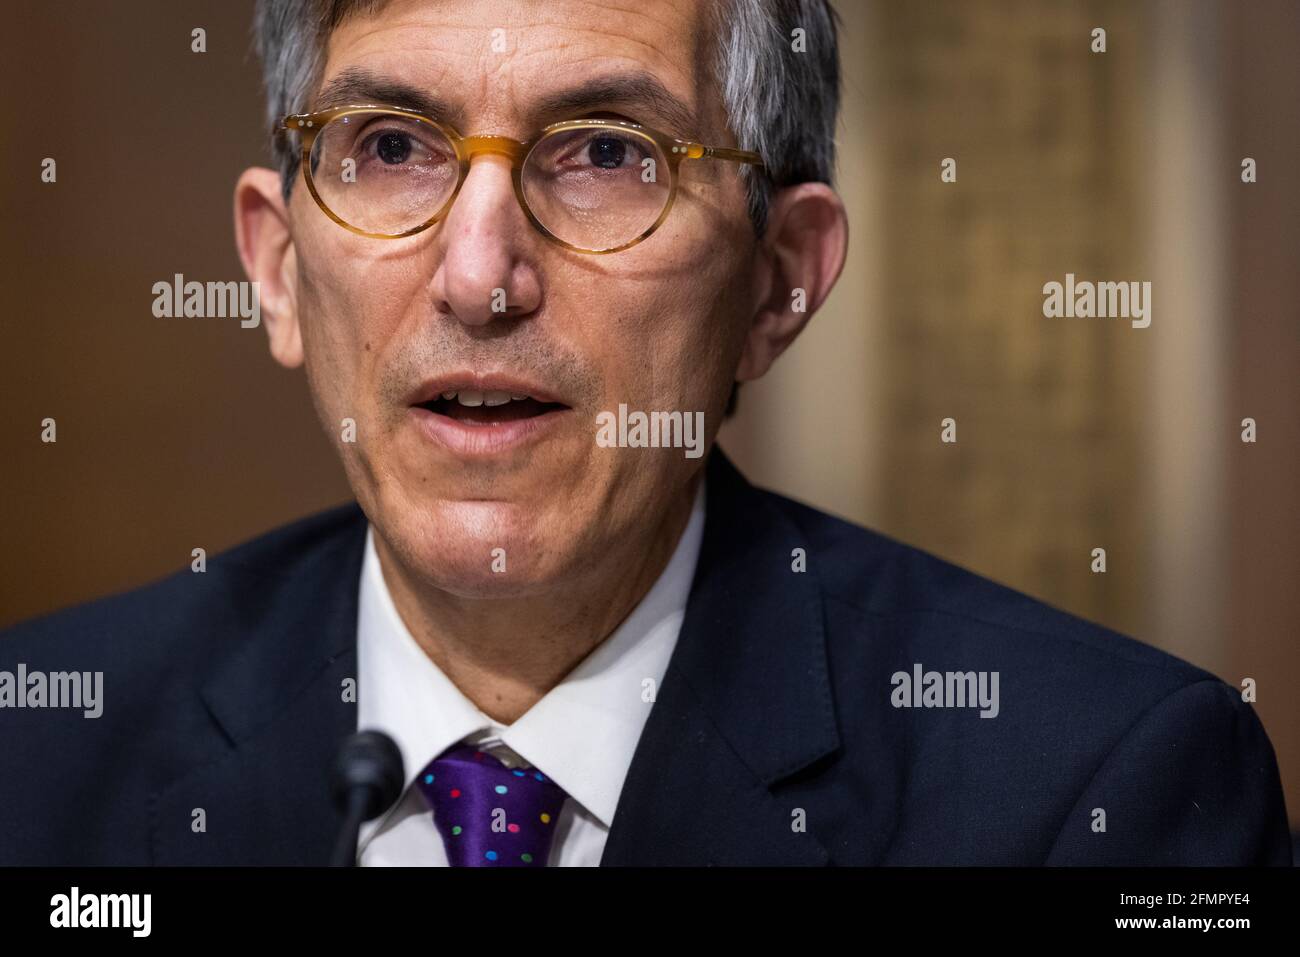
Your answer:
<point x="781" y="100"/>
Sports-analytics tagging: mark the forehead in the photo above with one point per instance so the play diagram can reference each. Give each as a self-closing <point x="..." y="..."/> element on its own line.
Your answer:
<point x="509" y="67"/>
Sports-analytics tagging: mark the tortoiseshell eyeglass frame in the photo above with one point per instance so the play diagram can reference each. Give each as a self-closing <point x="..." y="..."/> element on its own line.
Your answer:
<point x="309" y="125"/>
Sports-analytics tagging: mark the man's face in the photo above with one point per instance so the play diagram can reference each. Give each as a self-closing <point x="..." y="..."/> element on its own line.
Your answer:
<point x="388" y="325"/>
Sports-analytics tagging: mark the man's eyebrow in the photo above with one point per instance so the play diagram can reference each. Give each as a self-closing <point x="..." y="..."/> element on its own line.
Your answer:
<point x="638" y="91"/>
<point x="358" y="87"/>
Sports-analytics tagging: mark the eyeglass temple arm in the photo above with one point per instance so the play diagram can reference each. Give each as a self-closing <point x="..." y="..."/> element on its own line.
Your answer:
<point x="699" y="150"/>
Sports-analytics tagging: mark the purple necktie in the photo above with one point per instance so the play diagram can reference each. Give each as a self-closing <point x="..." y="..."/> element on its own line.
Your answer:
<point x="488" y="814"/>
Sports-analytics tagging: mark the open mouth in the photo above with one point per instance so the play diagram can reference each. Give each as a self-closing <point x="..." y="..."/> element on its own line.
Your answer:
<point x="487" y="408"/>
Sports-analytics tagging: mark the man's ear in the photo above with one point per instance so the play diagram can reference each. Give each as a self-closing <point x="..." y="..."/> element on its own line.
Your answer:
<point x="266" y="250"/>
<point x="803" y="252"/>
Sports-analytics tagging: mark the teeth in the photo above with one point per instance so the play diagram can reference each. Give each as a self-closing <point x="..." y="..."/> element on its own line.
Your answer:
<point x="490" y="397"/>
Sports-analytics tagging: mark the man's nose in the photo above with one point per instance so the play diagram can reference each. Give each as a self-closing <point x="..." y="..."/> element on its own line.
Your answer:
<point x="486" y="271"/>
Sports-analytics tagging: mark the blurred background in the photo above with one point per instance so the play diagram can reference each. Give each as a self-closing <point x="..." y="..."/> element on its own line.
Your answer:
<point x="1073" y="434"/>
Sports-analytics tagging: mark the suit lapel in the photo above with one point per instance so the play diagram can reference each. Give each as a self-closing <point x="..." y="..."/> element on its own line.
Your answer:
<point x="745" y="702"/>
<point x="277" y="704"/>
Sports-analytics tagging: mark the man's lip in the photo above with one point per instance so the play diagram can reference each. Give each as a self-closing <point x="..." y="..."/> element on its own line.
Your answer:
<point x="433" y="389"/>
<point x="484" y="442"/>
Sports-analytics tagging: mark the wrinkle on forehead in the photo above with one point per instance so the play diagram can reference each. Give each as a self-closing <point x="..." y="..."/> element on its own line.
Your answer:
<point x="447" y="47"/>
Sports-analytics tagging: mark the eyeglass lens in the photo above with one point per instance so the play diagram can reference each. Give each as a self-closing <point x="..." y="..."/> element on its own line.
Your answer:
<point x="596" y="188"/>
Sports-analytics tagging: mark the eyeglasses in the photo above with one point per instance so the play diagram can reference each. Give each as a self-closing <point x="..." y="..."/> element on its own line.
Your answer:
<point x="591" y="185"/>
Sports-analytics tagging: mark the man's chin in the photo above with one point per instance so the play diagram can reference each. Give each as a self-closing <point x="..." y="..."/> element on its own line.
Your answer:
<point x="478" y="550"/>
<point x="469" y="575"/>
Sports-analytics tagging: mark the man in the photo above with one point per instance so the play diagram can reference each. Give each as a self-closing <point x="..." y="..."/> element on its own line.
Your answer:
<point x="525" y="252"/>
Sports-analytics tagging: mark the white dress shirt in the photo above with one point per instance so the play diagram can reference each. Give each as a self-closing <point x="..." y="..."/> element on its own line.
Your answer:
<point x="581" y="734"/>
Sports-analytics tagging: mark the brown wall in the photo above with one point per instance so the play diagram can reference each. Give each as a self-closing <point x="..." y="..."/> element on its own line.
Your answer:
<point x="1263" y="495"/>
<point x="172" y="433"/>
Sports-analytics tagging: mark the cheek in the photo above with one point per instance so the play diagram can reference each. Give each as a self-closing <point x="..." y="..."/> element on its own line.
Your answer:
<point x="350" y="311"/>
<point x="329" y="350"/>
<point x="679" y="347"/>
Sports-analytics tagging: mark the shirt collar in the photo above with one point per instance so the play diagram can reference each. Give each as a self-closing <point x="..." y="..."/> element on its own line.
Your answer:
<point x="581" y="734"/>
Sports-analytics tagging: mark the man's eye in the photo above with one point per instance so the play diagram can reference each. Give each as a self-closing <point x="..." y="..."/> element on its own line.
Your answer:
<point x="607" y="152"/>
<point x="393" y="148"/>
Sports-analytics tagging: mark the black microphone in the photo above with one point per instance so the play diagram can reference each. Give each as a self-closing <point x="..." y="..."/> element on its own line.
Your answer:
<point x="366" y="779"/>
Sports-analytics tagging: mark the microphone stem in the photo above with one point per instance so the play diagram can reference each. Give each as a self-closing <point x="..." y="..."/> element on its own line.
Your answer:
<point x="345" y="851"/>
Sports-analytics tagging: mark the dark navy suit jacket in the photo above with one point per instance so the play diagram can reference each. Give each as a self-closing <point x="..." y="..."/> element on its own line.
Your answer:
<point x="774" y="739"/>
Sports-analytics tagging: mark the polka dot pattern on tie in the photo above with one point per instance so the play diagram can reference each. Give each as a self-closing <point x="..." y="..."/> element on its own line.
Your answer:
<point x="490" y="815"/>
